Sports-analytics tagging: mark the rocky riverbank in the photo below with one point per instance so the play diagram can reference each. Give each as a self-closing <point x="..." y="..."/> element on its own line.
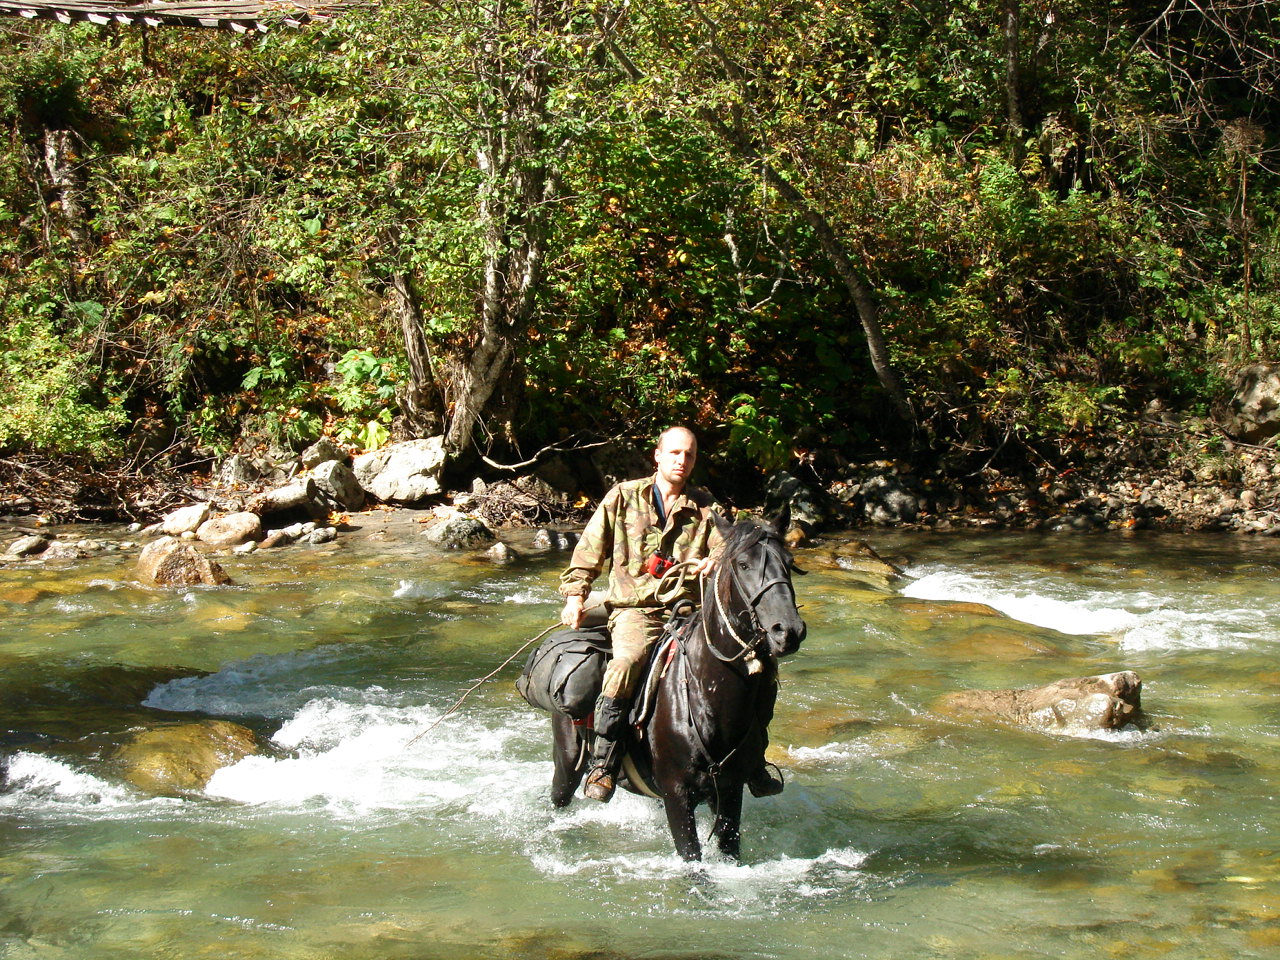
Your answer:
<point x="1166" y="473"/>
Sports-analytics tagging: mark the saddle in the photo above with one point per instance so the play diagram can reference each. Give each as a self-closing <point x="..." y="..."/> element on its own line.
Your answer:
<point x="681" y="620"/>
<point x="565" y="673"/>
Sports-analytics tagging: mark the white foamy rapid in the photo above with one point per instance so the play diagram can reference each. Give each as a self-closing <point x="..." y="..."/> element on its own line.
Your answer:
<point x="42" y="784"/>
<point x="265" y="685"/>
<point x="356" y="759"/>
<point x="1139" y="619"/>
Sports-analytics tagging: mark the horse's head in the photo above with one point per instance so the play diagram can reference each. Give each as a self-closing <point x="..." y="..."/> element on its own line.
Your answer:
<point x="758" y="586"/>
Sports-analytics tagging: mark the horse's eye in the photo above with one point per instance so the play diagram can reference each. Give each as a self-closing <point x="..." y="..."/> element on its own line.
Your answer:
<point x="743" y="565"/>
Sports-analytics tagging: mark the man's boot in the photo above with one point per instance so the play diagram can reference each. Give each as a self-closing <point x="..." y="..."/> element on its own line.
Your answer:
<point x="601" y="778"/>
<point x="762" y="783"/>
<point x="610" y="724"/>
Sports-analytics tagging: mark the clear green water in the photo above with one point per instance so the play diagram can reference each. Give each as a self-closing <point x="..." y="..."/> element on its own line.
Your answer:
<point x="901" y="833"/>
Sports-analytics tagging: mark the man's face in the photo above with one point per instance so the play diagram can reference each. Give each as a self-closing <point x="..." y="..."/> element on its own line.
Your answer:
<point x="676" y="454"/>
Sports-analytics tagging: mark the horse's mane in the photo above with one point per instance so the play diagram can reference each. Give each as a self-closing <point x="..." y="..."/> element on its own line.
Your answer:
<point x="746" y="533"/>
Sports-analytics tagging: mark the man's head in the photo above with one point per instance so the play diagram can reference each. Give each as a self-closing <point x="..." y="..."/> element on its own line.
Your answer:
<point x="675" y="456"/>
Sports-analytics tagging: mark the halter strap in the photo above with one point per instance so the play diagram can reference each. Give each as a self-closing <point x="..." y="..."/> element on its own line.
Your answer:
<point x="747" y="653"/>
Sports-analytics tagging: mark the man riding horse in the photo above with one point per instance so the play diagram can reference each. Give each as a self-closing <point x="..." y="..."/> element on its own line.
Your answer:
<point x="642" y="528"/>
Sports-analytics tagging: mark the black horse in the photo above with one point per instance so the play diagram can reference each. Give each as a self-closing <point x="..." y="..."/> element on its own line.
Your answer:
<point x="708" y="726"/>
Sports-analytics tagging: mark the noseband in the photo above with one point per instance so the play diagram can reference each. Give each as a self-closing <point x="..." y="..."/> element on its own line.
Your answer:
<point x="747" y="653"/>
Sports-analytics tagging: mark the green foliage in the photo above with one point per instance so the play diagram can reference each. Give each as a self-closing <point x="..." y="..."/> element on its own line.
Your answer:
<point x="365" y="394"/>
<point x="248" y="201"/>
<point x="48" y="403"/>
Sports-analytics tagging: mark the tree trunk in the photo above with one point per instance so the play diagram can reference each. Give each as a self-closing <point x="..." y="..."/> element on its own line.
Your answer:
<point x="66" y="185"/>
<point x="1011" y="23"/>
<point x="863" y="299"/>
<point x="420" y="397"/>
<point x="518" y="187"/>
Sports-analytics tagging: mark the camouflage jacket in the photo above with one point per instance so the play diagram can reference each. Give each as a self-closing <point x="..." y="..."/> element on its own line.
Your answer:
<point x="624" y="533"/>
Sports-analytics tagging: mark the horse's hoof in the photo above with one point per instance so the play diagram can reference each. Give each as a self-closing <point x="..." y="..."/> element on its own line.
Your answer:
<point x="600" y="785"/>
<point x="764" y="784"/>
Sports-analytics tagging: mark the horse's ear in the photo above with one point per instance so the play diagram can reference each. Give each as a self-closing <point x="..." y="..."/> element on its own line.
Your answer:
<point x="782" y="522"/>
<point x="723" y="525"/>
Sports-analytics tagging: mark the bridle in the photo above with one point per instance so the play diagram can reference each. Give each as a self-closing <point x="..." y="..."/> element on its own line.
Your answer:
<point x="747" y="652"/>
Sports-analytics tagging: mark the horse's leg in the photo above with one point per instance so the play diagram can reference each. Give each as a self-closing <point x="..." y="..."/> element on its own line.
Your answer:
<point x="566" y="751"/>
<point x="684" y="830"/>
<point x="728" y="826"/>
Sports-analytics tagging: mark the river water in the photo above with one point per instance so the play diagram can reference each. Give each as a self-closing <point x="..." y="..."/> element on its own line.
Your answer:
<point x="901" y="833"/>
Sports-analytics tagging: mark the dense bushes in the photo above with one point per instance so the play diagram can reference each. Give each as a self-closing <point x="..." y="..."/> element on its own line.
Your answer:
<point x="1059" y="224"/>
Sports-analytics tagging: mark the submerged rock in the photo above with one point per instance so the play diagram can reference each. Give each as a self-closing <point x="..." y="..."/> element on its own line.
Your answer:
<point x="501" y="554"/>
<point x="182" y="759"/>
<point x="61" y="550"/>
<point x="169" y="562"/>
<point x="1076" y="705"/>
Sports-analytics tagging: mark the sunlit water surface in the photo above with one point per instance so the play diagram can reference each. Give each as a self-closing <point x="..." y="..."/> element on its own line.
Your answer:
<point x="900" y="834"/>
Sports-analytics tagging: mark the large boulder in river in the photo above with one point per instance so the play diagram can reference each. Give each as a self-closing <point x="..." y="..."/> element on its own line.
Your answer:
<point x="1253" y="412"/>
<point x="231" y="530"/>
<point x="169" y="562"/>
<point x="182" y="759"/>
<point x="402" y="472"/>
<point x="1074" y="706"/>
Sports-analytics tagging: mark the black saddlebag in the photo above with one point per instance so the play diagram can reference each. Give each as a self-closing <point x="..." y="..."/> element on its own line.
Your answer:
<point x="564" y="674"/>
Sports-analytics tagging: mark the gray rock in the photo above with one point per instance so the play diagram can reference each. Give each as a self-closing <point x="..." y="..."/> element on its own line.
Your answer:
<point x="337" y="483"/>
<point x="1073" y="706"/>
<point x="60" y="550"/>
<point x="322" y="451"/>
<point x="548" y="539"/>
<point x="808" y="505"/>
<point x="459" y="532"/>
<point x="1253" y="412"/>
<point x="235" y="528"/>
<point x="886" y="499"/>
<point x="402" y="472"/>
<point x="28" y="546"/>
<point x="322" y="535"/>
<point x="169" y="562"/>
<point x="501" y="554"/>
<point x="301" y="495"/>
<point x="184" y="519"/>
<point x="238" y="471"/>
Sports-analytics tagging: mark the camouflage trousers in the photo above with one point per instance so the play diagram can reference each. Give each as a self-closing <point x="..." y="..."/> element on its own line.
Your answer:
<point x="633" y="630"/>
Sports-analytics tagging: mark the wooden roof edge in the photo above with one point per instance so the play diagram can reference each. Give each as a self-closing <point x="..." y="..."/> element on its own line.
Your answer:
<point x="240" y="16"/>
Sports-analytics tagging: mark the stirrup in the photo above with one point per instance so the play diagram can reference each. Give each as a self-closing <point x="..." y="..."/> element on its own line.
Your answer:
<point x="600" y="785"/>
<point x="762" y="783"/>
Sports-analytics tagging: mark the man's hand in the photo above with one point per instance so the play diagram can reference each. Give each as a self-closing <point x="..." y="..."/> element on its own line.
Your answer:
<point x="706" y="566"/>
<point x="572" y="614"/>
